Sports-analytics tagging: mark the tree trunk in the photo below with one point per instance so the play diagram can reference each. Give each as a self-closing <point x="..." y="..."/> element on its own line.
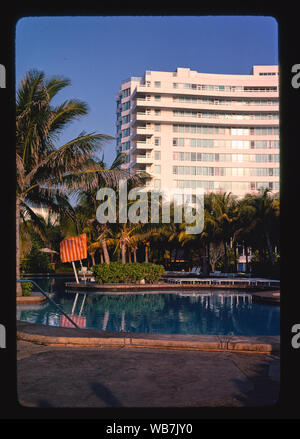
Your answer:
<point x="208" y="257"/>
<point x="225" y="257"/>
<point x="123" y="250"/>
<point x="271" y="256"/>
<point x="105" y="252"/>
<point x="134" y="255"/>
<point x="146" y="253"/>
<point x="129" y="256"/>
<point x="101" y="258"/>
<point x="247" y="261"/>
<point x="205" y="267"/>
<point x="18" y="284"/>
<point x="93" y="258"/>
<point x="235" y="257"/>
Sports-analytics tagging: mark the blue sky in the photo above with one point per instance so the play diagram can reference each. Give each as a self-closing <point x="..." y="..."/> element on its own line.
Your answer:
<point x="97" y="53"/>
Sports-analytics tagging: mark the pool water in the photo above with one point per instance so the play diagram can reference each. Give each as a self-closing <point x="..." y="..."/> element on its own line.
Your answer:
<point x="218" y="312"/>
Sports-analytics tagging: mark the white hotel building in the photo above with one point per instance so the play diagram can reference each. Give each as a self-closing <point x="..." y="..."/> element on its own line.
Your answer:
<point x="213" y="131"/>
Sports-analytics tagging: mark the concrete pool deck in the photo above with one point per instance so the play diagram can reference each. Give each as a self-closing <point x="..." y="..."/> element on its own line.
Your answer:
<point x="55" y="376"/>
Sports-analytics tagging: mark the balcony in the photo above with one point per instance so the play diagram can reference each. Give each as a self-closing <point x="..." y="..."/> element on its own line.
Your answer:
<point x="142" y="147"/>
<point x="229" y="121"/>
<point x="170" y="104"/>
<point x="200" y="92"/>
<point x="141" y="132"/>
<point x="141" y="161"/>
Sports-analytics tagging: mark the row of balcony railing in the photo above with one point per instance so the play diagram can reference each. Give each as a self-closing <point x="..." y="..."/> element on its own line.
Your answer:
<point x="219" y="88"/>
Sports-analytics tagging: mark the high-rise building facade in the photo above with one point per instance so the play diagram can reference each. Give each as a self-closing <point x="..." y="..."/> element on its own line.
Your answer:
<point x="214" y="131"/>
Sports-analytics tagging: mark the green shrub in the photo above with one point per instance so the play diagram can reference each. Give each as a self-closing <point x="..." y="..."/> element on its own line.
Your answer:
<point x="26" y="288"/>
<point x="152" y="272"/>
<point x="116" y="272"/>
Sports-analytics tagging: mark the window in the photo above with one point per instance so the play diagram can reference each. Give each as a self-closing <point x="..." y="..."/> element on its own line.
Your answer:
<point x="157" y="83"/>
<point x="157" y="169"/>
<point x="125" y="146"/>
<point x="157" y="141"/>
<point x="157" y="155"/>
<point x="261" y="185"/>
<point x="126" y="119"/>
<point x="126" y="106"/>
<point x="126" y="93"/>
<point x="157" y="98"/>
<point x="157" y="127"/>
<point x="126" y="133"/>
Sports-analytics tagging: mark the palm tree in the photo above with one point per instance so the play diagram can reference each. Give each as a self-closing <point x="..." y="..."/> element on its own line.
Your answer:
<point x="88" y="202"/>
<point x="45" y="172"/>
<point x="244" y="226"/>
<point x="265" y="219"/>
<point x="224" y="213"/>
<point x="201" y="242"/>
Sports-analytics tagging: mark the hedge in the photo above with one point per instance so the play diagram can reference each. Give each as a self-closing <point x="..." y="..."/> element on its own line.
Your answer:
<point x="116" y="272"/>
<point x="26" y="288"/>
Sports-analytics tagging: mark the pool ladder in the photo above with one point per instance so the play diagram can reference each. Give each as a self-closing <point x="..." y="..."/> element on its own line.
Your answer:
<point x="50" y="300"/>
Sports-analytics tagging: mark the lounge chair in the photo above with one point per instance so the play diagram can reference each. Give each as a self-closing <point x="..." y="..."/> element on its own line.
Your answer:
<point x="197" y="270"/>
<point x="216" y="274"/>
<point x="194" y="271"/>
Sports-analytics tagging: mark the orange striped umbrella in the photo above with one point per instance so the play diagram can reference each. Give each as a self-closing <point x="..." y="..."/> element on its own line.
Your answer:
<point x="73" y="249"/>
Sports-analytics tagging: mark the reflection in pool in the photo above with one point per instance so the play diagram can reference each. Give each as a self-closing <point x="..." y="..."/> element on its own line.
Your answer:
<point x="219" y="312"/>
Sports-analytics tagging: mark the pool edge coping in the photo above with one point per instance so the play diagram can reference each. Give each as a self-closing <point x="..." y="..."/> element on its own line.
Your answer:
<point x="152" y="341"/>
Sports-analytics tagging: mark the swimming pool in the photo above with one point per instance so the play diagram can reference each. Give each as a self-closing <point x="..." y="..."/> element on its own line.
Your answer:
<point x="218" y="312"/>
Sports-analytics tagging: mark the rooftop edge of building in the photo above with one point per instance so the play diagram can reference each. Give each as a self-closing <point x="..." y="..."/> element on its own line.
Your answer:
<point x="256" y="71"/>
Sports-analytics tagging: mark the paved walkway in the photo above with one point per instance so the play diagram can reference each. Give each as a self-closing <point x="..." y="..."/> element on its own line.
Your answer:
<point x="57" y="376"/>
